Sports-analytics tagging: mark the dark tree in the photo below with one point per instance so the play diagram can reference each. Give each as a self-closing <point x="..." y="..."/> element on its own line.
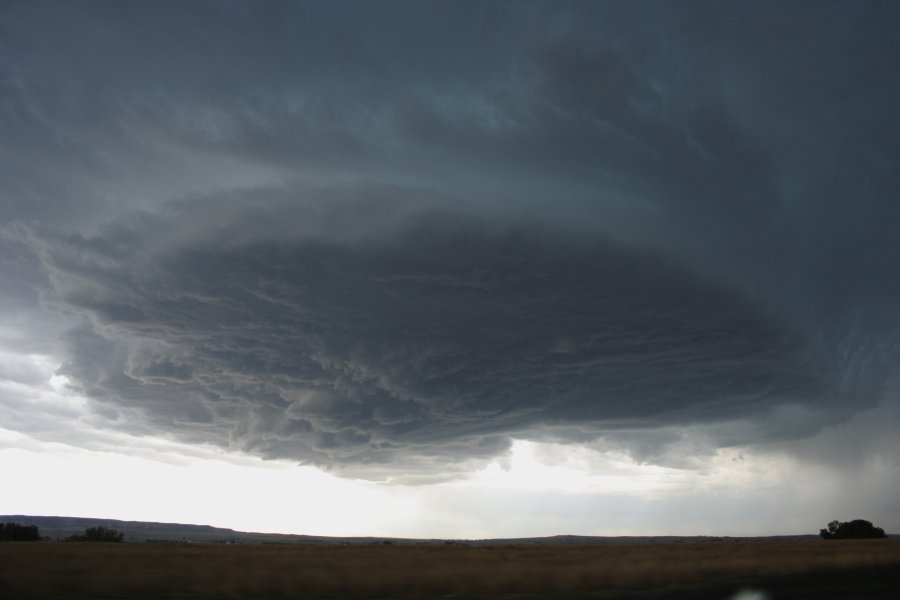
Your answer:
<point x="13" y="532"/>
<point x="97" y="534"/>
<point x="852" y="530"/>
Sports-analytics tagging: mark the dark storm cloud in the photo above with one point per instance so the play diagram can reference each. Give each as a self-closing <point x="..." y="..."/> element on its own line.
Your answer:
<point x="101" y="98"/>
<point x="357" y="233"/>
<point x="439" y="335"/>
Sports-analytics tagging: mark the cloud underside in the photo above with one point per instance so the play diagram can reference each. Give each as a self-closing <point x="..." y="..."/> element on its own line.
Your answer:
<point x="390" y="240"/>
<point x="438" y="338"/>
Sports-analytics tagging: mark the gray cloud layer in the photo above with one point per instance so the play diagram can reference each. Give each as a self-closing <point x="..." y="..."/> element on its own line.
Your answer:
<point x="400" y="235"/>
<point x="438" y="336"/>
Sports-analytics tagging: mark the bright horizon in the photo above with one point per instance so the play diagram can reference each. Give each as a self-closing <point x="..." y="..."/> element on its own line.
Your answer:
<point x="451" y="270"/>
<point x="556" y="489"/>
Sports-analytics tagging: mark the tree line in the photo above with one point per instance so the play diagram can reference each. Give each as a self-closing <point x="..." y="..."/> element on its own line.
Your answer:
<point x="851" y="530"/>
<point x="97" y="534"/>
<point x="13" y="532"/>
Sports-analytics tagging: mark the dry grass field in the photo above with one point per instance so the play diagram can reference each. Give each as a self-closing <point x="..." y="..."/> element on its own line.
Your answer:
<point x="694" y="570"/>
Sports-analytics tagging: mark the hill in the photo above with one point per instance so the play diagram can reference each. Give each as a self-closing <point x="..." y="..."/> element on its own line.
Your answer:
<point x="58" y="528"/>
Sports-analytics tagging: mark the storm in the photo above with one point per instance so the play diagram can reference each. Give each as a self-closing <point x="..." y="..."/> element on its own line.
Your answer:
<point x="405" y="244"/>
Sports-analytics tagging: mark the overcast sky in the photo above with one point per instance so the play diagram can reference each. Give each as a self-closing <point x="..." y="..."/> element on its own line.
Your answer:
<point x="458" y="269"/>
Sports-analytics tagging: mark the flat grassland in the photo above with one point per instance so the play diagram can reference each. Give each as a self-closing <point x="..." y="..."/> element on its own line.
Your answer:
<point x="783" y="569"/>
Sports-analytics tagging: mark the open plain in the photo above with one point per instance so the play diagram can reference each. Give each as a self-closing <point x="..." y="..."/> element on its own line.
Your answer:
<point x="782" y="569"/>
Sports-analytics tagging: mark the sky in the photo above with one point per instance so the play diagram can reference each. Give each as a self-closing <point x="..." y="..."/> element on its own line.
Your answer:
<point x="452" y="269"/>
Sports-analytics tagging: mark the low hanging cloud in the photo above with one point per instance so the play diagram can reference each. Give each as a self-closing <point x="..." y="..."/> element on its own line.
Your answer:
<point x="636" y="227"/>
<point x="422" y="338"/>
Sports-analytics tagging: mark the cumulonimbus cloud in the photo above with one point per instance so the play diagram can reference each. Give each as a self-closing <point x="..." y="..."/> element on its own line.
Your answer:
<point x="430" y="336"/>
<point x="582" y="223"/>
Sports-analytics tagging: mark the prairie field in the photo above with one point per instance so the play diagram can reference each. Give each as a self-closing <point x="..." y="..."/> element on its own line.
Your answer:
<point x="782" y="569"/>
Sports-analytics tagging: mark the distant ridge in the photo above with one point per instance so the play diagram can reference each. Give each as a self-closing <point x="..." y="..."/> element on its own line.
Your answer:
<point x="59" y="528"/>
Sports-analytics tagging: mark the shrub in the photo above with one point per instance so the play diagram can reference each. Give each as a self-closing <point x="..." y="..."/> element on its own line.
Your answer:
<point x="852" y="530"/>
<point x="13" y="532"/>
<point x="97" y="534"/>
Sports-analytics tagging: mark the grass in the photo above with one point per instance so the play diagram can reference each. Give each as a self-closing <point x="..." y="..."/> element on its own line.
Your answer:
<point x="183" y="572"/>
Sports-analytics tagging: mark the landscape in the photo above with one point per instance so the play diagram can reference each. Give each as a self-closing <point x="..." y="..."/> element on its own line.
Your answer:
<point x="227" y="564"/>
<point x="449" y="299"/>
